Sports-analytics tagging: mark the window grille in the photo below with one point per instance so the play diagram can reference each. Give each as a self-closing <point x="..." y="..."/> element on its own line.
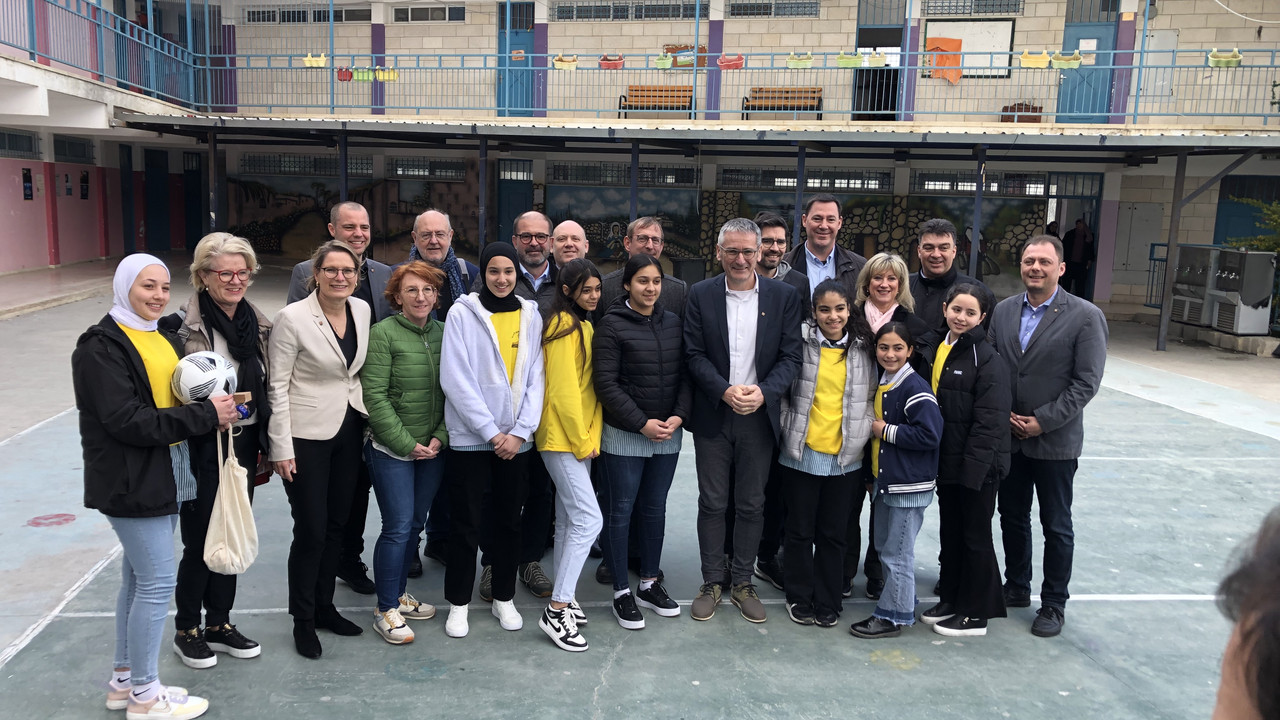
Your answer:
<point x="312" y="165"/>
<point x="72" y="150"/>
<point x="19" y="144"/>
<point x="793" y="8"/>
<point x="876" y="182"/>
<point x="421" y="168"/>
<point x="619" y="174"/>
<point x="594" y="10"/>
<point x="971" y="7"/>
<point x="430" y="13"/>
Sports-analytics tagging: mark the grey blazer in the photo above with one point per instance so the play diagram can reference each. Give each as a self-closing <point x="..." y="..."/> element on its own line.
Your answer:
<point x="378" y="273"/>
<point x="1058" y="374"/>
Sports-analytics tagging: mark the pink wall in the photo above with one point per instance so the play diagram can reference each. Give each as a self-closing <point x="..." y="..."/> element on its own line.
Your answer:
<point x="24" y="243"/>
<point x="77" y="219"/>
<point x="115" y="212"/>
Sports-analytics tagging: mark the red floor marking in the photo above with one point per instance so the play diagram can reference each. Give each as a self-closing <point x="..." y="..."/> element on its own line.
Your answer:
<point x="51" y="520"/>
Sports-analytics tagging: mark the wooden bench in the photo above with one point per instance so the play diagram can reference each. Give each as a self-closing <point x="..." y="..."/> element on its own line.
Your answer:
<point x="782" y="99"/>
<point x="656" y="97"/>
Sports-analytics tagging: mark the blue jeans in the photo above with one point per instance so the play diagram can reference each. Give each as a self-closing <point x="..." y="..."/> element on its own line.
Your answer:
<point x="149" y="573"/>
<point x="896" y="531"/>
<point x="404" y="490"/>
<point x="1051" y="481"/>
<point x="643" y="483"/>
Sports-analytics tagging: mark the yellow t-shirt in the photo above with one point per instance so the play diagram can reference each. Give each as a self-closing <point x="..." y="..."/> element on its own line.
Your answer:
<point x="944" y="349"/>
<point x="507" y="326"/>
<point x="875" y="439"/>
<point x="159" y="359"/>
<point x="827" y="411"/>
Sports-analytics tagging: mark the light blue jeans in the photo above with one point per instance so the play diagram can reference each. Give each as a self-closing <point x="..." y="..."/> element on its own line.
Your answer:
<point x="896" y="531"/>
<point x="149" y="573"/>
<point x="578" y="519"/>
<point x="404" y="490"/>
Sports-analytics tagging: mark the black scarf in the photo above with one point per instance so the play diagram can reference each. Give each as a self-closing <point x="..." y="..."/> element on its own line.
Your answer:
<point x="491" y="302"/>
<point x="241" y="334"/>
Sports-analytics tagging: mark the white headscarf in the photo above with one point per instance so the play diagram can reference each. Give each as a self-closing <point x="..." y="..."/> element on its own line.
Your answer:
<point x="126" y="274"/>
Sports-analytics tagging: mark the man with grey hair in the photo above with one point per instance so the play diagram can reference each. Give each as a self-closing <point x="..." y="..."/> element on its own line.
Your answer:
<point x="742" y="347"/>
<point x="568" y="242"/>
<point x="433" y="244"/>
<point x="644" y="235"/>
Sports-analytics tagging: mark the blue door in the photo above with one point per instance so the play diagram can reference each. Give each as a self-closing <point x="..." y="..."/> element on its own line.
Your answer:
<point x="515" y="62"/>
<point x="515" y="194"/>
<point x="1084" y="93"/>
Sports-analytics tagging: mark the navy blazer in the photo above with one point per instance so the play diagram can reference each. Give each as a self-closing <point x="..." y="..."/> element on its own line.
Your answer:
<point x="706" y="346"/>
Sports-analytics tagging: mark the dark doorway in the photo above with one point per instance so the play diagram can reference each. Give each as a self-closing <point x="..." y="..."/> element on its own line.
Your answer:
<point x="875" y="90"/>
<point x="156" y="209"/>
<point x="126" y="200"/>
<point x="193" y="193"/>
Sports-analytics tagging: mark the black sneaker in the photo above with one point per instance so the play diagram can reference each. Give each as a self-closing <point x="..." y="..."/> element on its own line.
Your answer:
<point x="657" y="600"/>
<point x="356" y="575"/>
<point x="874" y="588"/>
<point x="874" y="628"/>
<point x="937" y="613"/>
<point x="227" y="639"/>
<point x="533" y="577"/>
<point x="434" y="551"/>
<point x="826" y="618"/>
<point x="1048" y="622"/>
<point x="846" y="590"/>
<point x="629" y="617"/>
<point x="336" y="624"/>
<point x="770" y="571"/>
<point x="190" y="646"/>
<point x="559" y="625"/>
<point x="960" y="626"/>
<point x="801" y="613"/>
<point x="604" y="575"/>
<point x="1016" y="598"/>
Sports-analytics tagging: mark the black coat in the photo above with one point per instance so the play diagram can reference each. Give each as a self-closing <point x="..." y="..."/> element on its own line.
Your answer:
<point x="639" y="367"/>
<point x="929" y="294"/>
<point x="975" y="399"/>
<point x="124" y="437"/>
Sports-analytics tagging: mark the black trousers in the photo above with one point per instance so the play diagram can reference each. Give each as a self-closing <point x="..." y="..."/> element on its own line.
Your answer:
<point x="853" y="539"/>
<point x="535" y="518"/>
<point x="817" y="515"/>
<point x="353" y="534"/>
<point x="320" y="501"/>
<point x="970" y="575"/>
<point x="198" y="586"/>
<point x="484" y="492"/>
<point x="775" y="514"/>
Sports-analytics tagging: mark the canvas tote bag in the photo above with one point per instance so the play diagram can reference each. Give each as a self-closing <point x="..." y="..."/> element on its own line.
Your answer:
<point x="231" y="544"/>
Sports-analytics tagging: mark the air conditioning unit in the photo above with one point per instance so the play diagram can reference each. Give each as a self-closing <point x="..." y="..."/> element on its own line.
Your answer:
<point x="1241" y="292"/>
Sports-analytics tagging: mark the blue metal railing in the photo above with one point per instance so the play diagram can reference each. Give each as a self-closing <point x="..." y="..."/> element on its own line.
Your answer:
<point x="1157" y="256"/>
<point x="965" y="87"/>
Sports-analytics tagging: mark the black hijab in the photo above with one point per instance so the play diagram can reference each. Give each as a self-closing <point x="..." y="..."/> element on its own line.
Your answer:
<point x="491" y="302"/>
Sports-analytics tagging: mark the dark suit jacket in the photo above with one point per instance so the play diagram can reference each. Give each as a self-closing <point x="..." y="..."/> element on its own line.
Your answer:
<point x="1058" y="374"/>
<point x="706" y="346"/>
<point x="848" y="266"/>
<point x="378" y="274"/>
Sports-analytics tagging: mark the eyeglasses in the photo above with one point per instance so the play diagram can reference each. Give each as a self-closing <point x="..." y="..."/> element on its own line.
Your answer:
<point x="227" y="276"/>
<point x="331" y="272"/>
<point x="527" y="238"/>
<point x="424" y="291"/>
<point x="647" y="240"/>
<point x="735" y="253"/>
<point x="438" y="235"/>
<point x="774" y="241"/>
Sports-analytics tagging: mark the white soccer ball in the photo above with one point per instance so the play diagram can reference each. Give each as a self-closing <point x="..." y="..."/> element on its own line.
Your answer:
<point x="202" y="375"/>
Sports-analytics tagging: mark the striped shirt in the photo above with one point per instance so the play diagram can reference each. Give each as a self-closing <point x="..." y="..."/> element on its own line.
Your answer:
<point x="817" y="463"/>
<point x="633" y="444"/>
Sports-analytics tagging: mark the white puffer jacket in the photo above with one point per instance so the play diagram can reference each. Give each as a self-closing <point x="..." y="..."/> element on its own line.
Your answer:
<point x="859" y="399"/>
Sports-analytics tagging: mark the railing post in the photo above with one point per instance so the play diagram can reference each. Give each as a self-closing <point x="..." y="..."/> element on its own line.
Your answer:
<point x="1142" y="59"/>
<point x="332" y="61"/>
<point x="149" y="52"/>
<point x="32" y="38"/>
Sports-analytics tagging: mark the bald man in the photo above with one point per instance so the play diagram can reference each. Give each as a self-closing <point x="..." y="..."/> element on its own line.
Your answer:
<point x="568" y="242"/>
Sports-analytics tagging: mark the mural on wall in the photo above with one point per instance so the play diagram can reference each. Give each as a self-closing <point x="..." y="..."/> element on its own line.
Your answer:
<point x="870" y="221"/>
<point x="1007" y="223"/>
<point x="604" y="213"/>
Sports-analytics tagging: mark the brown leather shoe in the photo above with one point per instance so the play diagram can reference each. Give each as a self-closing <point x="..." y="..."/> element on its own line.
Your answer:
<point x="704" y="606"/>
<point x="744" y="596"/>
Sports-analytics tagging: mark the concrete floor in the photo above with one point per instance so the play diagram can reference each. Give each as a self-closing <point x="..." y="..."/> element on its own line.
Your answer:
<point x="1178" y="470"/>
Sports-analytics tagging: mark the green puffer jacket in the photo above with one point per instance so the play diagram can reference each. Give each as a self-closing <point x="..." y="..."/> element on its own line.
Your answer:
<point x="401" y="379"/>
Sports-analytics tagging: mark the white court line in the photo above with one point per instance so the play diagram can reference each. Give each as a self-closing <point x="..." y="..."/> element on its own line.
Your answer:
<point x="766" y="601"/>
<point x="1168" y="458"/>
<point x="17" y="645"/>
<point x="40" y="424"/>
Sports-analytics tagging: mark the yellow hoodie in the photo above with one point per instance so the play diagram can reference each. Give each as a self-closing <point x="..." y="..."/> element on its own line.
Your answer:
<point x="571" y="415"/>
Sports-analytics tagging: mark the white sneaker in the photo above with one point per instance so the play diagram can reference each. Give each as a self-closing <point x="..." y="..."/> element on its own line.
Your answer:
<point x="392" y="627"/>
<point x="579" y="615"/>
<point x="505" y="611"/>
<point x="560" y="626"/>
<point x="413" y="609"/>
<point x="456" y="625"/>
<point x="170" y="703"/>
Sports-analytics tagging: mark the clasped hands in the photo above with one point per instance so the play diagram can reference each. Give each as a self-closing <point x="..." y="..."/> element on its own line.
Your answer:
<point x="743" y="399"/>
<point x="1024" y="426"/>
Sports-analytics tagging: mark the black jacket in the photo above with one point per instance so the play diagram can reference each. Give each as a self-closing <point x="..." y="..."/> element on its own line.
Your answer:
<point x="930" y="293"/>
<point x="639" y="367"/>
<point x="975" y="399"/>
<point x="124" y="437"/>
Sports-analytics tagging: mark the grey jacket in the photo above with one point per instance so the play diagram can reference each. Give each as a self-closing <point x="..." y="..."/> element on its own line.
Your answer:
<point x="378" y="274"/>
<point x="1058" y="374"/>
<point x="859" y="396"/>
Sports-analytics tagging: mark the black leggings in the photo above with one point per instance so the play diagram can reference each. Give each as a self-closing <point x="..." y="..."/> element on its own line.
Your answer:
<point x="488" y="492"/>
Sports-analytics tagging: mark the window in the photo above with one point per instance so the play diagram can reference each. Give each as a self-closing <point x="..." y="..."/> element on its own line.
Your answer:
<point x="261" y="16"/>
<point x="594" y="10"/>
<point x="972" y="7"/>
<point x="801" y="8"/>
<point x="515" y="170"/>
<point x="617" y="174"/>
<point x="876" y="182"/>
<point x="421" y="168"/>
<point x="19" y="144"/>
<point x="430" y="13"/>
<point x="72" y="150"/>
<point x="342" y="15"/>
<point x="1011" y="184"/>
<point x="317" y="165"/>
<point x="294" y="15"/>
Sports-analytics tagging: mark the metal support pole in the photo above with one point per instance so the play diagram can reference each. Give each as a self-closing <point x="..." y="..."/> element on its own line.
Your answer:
<point x="975" y="237"/>
<point x="191" y="68"/>
<point x="795" y="225"/>
<point x="33" y="41"/>
<point x="482" y="215"/>
<point x="333" y="75"/>
<point x="213" y="182"/>
<point x="697" y="35"/>
<point x="149" y="53"/>
<point x="342" y="164"/>
<point x="1142" y="59"/>
<point x="635" y="181"/>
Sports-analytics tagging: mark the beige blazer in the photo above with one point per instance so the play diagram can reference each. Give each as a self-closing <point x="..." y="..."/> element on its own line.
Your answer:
<point x="310" y="385"/>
